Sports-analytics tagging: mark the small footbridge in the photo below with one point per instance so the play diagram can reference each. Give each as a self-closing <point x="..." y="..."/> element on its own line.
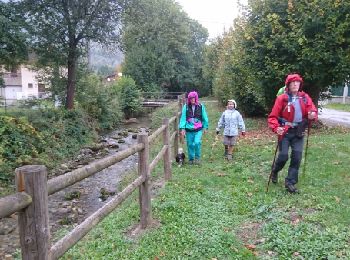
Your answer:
<point x="159" y="99"/>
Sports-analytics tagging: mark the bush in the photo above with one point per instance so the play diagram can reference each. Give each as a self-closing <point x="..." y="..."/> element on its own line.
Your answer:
<point x="42" y="137"/>
<point x="130" y="96"/>
<point x="99" y="101"/>
<point x="19" y="143"/>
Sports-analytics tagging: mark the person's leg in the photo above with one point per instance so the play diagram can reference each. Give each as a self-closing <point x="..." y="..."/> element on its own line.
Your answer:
<point x="282" y="158"/>
<point x="229" y="152"/>
<point x="226" y="150"/>
<point x="297" y="144"/>
<point x="198" y="144"/>
<point x="190" y="146"/>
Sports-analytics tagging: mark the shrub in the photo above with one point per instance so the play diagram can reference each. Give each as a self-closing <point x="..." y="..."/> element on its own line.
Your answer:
<point x="130" y="97"/>
<point x="100" y="101"/>
<point x="19" y="143"/>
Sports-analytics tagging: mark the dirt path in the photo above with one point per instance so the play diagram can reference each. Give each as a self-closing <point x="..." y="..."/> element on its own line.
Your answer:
<point x="334" y="117"/>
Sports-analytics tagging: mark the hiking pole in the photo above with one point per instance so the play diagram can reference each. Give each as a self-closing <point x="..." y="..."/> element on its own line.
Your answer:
<point x="216" y="139"/>
<point x="273" y="163"/>
<point x="307" y="144"/>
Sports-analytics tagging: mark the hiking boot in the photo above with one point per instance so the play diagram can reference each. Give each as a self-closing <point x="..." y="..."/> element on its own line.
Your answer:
<point x="274" y="177"/>
<point x="229" y="157"/>
<point x="197" y="162"/>
<point x="190" y="162"/>
<point x="291" y="188"/>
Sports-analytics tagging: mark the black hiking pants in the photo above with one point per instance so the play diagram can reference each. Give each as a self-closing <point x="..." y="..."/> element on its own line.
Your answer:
<point x="296" y="143"/>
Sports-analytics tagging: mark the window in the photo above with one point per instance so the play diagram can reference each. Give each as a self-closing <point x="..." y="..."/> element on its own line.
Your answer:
<point x="30" y="85"/>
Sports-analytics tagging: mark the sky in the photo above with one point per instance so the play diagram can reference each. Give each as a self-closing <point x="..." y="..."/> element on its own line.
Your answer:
<point x="216" y="16"/>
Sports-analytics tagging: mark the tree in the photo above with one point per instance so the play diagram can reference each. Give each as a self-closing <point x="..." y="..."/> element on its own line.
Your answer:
<point x="13" y="48"/>
<point x="130" y="97"/>
<point x="274" y="38"/>
<point x="312" y="38"/>
<point x="62" y="29"/>
<point x="163" y="46"/>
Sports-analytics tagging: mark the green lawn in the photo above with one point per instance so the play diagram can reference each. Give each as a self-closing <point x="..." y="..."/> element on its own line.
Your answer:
<point x="220" y="210"/>
<point x="342" y="107"/>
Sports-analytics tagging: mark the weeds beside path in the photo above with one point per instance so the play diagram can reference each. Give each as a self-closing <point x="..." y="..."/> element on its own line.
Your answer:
<point x="220" y="210"/>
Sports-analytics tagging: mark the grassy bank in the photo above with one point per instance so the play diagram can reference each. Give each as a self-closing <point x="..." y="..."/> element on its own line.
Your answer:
<point x="341" y="107"/>
<point x="220" y="210"/>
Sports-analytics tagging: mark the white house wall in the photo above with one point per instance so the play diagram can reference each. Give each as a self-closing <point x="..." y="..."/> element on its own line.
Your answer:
<point x="29" y="77"/>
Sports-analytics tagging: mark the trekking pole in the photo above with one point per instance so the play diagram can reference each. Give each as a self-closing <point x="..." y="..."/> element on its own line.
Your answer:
<point x="273" y="163"/>
<point x="307" y="145"/>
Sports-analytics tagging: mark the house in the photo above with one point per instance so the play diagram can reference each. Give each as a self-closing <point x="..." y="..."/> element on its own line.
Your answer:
<point x="113" y="77"/>
<point x="22" y="84"/>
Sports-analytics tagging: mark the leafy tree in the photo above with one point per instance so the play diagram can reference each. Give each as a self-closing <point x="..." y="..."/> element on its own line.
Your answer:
<point x="98" y="100"/>
<point x="163" y="46"/>
<point x="130" y="98"/>
<point x="13" y="49"/>
<point x="275" y="38"/>
<point x="63" y="29"/>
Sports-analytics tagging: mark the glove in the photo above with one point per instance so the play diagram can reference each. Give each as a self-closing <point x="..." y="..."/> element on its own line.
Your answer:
<point x="243" y="133"/>
<point x="217" y="132"/>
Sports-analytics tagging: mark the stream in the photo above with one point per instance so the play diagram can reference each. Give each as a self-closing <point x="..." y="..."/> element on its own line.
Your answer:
<point x="75" y="203"/>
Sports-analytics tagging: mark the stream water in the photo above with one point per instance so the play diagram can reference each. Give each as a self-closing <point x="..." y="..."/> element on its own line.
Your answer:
<point x="92" y="193"/>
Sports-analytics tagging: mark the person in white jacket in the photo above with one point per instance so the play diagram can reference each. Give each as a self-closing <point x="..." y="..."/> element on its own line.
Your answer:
<point x="231" y="120"/>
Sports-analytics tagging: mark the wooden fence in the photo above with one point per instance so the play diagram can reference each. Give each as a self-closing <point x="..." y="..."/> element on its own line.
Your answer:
<point x="33" y="189"/>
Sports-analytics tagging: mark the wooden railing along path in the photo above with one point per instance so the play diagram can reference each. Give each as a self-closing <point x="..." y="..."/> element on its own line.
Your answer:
<point x="33" y="189"/>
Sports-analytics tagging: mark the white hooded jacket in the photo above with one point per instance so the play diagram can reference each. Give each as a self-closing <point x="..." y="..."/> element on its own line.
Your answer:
<point x="231" y="121"/>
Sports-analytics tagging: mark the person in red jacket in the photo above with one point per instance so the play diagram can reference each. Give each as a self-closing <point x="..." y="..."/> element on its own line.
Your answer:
<point x="288" y="119"/>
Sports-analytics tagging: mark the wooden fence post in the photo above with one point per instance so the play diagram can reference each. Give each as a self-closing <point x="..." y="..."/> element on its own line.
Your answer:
<point x="144" y="191"/>
<point x="176" y="139"/>
<point x="33" y="221"/>
<point x="179" y="102"/>
<point x="166" y="158"/>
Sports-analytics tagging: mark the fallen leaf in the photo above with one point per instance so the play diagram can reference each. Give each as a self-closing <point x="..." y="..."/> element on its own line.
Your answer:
<point x="249" y="194"/>
<point x="337" y="199"/>
<point x="296" y="221"/>
<point x="250" y="247"/>
<point x="221" y="174"/>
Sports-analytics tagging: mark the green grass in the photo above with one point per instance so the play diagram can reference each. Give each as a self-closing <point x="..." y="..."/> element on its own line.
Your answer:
<point x="218" y="210"/>
<point x="336" y="106"/>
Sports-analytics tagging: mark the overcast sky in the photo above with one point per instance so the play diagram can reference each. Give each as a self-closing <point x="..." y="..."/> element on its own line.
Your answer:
<point x="215" y="15"/>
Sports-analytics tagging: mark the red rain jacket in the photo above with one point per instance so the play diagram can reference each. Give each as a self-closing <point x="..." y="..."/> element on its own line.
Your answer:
<point x="282" y="109"/>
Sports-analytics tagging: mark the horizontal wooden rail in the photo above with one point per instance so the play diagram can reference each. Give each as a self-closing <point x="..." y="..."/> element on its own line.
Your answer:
<point x="13" y="203"/>
<point x="172" y="137"/>
<point x="153" y="136"/>
<point x="157" y="158"/>
<point x="65" y="180"/>
<point x="172" y="119"/>
<point x="81" y="230"/>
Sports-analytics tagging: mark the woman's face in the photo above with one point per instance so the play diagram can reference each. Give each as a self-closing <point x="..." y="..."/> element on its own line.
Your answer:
<point x="193" y="101"/>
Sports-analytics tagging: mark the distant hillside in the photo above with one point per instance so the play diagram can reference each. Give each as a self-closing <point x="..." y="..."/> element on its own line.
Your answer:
<point x="103" y="57"/>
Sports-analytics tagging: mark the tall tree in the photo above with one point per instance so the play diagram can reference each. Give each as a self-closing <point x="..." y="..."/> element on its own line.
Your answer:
<point x="274" y="38"/>
<point x="63" y="29"/>
<point x="162" y="45"/>
<point x="13" y="49"/>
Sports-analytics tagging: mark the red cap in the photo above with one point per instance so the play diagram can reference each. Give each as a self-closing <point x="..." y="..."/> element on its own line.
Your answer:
<point x="293" y="77"/>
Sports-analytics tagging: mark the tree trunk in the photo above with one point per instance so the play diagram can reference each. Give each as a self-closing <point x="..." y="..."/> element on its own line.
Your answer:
<point x="72" y="74"/>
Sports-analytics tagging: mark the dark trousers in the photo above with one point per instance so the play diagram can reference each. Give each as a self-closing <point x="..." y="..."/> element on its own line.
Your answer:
<point x="296" y="143"/>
